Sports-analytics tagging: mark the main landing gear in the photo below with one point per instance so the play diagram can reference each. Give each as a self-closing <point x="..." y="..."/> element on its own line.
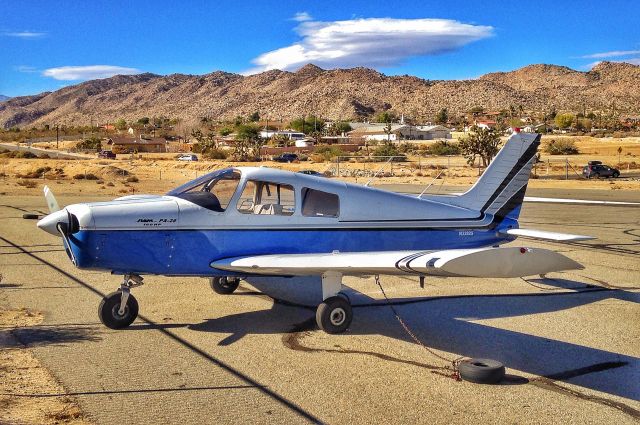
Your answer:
<point x="334" y="314"/>
<point x="224" y="285"/>
<point x="119" y="309"/>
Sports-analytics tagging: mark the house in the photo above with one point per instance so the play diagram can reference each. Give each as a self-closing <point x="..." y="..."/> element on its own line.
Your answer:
<point x="136" y="145"/>
<point x="287" y="134"/>
<point x="395" y="132"/>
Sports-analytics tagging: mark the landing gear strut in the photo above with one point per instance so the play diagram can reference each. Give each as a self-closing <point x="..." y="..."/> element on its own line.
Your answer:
<point x="119" y="309"/>
<point x="334" y="314"/>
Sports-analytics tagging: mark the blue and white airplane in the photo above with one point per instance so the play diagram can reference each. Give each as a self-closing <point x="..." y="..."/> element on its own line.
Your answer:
<point x="240" y="222"/>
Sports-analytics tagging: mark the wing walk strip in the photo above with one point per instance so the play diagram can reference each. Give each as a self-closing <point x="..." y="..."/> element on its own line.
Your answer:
<point x="286" y="403"/>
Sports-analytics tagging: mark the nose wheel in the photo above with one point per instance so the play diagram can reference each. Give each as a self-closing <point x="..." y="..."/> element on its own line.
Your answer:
<point x="119" y="309"/>
<point x="112" y="316"/>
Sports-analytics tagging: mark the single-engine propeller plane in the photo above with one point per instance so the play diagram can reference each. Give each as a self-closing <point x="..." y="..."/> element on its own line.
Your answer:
<point x="240" y="222"/>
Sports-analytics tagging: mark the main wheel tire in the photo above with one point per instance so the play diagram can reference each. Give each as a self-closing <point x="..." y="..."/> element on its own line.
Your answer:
<point x="616" y="175"/>
<point x="109" y="307"/>
<point x="334" y="315"/>
<point x="224" y="285"/>
<point x="481" y="371"/>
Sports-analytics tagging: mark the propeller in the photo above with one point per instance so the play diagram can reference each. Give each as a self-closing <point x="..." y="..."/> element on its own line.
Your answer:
<point x="59" y="222"/>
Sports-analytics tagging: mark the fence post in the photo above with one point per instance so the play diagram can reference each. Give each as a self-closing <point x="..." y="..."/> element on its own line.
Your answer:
<point x="566" y="169"/>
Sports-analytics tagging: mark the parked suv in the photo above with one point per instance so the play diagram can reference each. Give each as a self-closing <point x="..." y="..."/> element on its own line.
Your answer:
<point x="106" y="154"/>
<point x="188" y="157"/>
<point x="597" y="169"/>
<point x="286" y="157"/>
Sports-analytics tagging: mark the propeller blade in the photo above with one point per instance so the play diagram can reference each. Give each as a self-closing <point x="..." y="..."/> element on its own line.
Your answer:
<point x="51" y="200"/>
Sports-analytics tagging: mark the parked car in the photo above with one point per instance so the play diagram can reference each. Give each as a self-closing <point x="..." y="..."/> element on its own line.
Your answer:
<point x="312" y="173"/>
<point x="286" y="157"/>
<point x="188" y="157"/>
<point x="106" y="154"/>
<point x="596" y="169"/>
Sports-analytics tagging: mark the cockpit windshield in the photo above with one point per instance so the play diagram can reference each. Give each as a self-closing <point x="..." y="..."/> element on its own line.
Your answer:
<point x="212" y="191"/>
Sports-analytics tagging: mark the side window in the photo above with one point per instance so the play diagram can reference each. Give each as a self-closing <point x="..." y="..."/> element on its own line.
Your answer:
<point x="266" y="198"/>
<point x="316" y="203"/>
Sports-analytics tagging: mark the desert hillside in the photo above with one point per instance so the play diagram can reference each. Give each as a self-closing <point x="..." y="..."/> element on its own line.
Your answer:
<point x="334" y="94"/>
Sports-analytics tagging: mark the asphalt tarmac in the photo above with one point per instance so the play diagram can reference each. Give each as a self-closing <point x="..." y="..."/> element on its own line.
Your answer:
<point x="571" y="342"/>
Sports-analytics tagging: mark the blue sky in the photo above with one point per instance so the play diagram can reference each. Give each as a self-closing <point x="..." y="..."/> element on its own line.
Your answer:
<point x="45" y="45"/>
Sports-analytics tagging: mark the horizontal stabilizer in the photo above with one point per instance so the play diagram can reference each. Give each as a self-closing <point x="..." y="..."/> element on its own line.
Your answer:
<point x="483" y="262"/>
<point x="551" y="236"/>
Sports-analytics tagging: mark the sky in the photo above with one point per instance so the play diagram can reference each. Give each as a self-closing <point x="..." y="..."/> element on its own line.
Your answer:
<point x="46" y="45"/>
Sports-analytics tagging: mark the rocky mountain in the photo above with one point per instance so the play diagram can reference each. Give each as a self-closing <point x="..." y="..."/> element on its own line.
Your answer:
<point x="333" y="94"/>
<point x="3" y="98"/>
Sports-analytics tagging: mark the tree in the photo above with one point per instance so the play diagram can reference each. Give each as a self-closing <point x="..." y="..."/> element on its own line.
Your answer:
<point x="143" y="120"/>
<point x="341" y="127"/>
<point x="476" y="110"/>
<point x="482" y="143"/>
<point x="564" y="120"/>
<point x="121" y="124"/>
<point x="442" y="116"/>
<point x="206" y="142"/>
<point x="248" y="142"/>
<point x="385" y="116"/>
<point x="308" y="124"/>
<point x="255" y="117"/>
<point x="387" y="130"/>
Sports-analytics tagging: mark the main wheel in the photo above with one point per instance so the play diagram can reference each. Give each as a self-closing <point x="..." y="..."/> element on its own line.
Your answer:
<point x="334" y="315"/>
<point x="481" y="371"/>
<point x="108" y="311"/>
<point x="224" y="285"/>
<point x="616" y="175"/>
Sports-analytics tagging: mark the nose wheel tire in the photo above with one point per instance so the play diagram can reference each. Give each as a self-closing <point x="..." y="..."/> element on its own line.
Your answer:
<point x="334" y="315"/>
<point x="109" y="311"/>
<point x="224" y="285"/>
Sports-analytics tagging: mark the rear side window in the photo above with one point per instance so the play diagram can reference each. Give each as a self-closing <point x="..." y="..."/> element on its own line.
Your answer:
<point x="316" y="203"/>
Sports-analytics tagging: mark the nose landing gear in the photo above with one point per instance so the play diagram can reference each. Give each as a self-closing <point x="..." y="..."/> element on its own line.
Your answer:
<point x="119" y="309"/>
<point x="334" y="314"/>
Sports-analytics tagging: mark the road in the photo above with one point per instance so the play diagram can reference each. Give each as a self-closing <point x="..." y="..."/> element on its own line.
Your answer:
<point x="51" y="153"/>
<point x="570" y="343"/>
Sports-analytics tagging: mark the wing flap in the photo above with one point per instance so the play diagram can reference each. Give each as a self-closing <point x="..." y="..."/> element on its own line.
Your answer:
<point x="483" y="262"/>
<point x="543" y="234"/>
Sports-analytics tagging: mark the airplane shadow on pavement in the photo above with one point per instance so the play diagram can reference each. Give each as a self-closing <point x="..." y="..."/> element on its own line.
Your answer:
<point x="448" y="323"/>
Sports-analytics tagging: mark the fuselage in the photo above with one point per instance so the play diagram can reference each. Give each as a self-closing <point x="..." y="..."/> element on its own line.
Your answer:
<point x="254" y="211"/>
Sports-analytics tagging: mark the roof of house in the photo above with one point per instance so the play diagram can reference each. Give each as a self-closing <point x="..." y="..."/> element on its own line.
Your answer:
<point x="137" y="141"/>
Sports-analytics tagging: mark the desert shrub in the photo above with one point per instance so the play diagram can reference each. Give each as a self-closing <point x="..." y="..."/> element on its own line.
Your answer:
<point x="442" y="147"/>
<point x="328" y="152"/>
<point x="93" y="143"/>
<point x="23" y="154"/>
<point x="388" y="150"/>
<point x="27" y="183"/>
<point x="78" y="177"/>
<point x="100" y="182"/>
<point x="216" y="153"/>
<point x="110" y="184"/>
<point x="132" y="179"/>
<point x="561" y="147"/>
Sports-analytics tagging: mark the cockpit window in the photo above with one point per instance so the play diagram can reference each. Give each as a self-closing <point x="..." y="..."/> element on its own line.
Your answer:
<point x="267" y="198"/>
<point x="212" y="191"/>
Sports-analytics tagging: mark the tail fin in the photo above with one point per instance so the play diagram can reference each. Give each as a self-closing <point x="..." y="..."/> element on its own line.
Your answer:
<point x="500" y="190"/>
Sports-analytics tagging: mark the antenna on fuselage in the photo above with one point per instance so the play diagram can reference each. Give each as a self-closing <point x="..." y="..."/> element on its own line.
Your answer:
<point x="378" y="172"/>
<point x="431" y="183"/>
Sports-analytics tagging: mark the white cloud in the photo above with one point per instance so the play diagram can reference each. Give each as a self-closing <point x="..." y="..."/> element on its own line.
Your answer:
<point x="612" y="54"/>
<point x="25" y="34"/>
<point x="70" y="73"/>
<point x="301" y="17"/>
<point x="632" y="61"/>
<point x="26" y="69"/>
<point x="371" y="42"/>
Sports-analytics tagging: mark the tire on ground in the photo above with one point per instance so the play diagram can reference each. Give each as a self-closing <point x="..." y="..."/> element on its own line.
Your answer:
<point x="481" y="371"/>
<point x="29" y="216"/>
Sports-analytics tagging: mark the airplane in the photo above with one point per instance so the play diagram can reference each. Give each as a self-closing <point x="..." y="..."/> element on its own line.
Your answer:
<point x="239" y="222"/>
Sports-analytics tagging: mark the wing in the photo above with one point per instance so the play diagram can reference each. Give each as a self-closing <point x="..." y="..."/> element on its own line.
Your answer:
<point x="543" y="234"/>
<point x="484" y="262"/>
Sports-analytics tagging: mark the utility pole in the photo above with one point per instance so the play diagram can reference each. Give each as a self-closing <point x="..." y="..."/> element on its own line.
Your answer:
<point x="57" y="136"/>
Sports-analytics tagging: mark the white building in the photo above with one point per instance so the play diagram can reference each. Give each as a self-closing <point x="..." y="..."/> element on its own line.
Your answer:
<point x="288" y="134"/>
<point x="382" y="132"/>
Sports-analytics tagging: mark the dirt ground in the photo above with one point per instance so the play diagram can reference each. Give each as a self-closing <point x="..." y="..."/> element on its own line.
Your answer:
<point x="158" y="173"/>
<point x="29" y="394"/>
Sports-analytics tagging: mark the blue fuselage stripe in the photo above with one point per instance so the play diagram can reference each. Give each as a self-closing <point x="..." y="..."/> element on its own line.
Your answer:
<point x="190" y="252"/>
